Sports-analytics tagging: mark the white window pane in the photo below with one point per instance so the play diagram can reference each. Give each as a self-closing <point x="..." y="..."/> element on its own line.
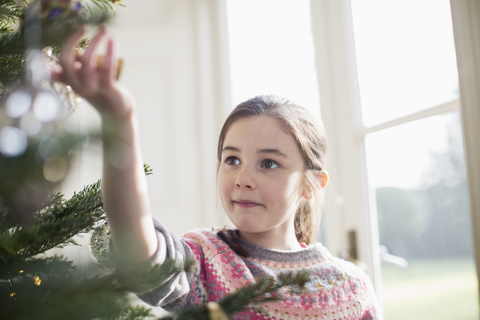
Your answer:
<point x="417" y="172"/>
<point x="271" y="51"/>
<point x="405" y="56"/>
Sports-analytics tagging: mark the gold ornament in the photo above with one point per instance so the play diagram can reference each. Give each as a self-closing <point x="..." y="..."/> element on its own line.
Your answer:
<point x="37" y="280"/>
<point x="119" y="65"/>
<point x="215" y="311"/>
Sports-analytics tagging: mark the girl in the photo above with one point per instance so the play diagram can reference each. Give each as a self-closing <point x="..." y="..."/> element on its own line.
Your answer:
<point x="271" y="158"/>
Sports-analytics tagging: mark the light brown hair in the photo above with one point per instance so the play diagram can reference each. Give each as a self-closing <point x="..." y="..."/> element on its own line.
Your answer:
<point x="311" y="141"/>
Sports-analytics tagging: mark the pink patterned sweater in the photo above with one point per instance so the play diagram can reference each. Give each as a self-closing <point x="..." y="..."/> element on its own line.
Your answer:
<point x="338" y="290"/>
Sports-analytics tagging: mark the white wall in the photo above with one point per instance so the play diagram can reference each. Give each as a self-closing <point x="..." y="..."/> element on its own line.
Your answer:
<point x="156" y="40"/>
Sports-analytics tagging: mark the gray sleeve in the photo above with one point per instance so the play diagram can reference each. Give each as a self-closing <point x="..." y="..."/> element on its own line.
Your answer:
<point x="171" y="290"/>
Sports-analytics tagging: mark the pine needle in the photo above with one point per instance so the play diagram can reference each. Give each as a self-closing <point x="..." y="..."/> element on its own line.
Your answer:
<point x="262" y="291"/>
<point x="53" y="226"/>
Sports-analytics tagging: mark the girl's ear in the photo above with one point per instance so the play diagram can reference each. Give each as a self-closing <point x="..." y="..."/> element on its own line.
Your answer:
<point x="322" y="177"/>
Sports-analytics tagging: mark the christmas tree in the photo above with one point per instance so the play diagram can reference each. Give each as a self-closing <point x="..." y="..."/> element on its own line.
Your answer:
<point x="34" y="157"/>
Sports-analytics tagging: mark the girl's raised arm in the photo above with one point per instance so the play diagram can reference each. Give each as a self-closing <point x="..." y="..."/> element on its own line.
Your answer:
<point x="124" y="184"/>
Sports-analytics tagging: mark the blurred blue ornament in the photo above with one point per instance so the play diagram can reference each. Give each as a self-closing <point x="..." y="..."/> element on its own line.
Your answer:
<point x="31" y="110"/>
<point x="34" y="145"/>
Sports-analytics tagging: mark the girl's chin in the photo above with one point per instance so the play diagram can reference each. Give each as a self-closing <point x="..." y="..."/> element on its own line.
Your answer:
<point x="248" y="225"/>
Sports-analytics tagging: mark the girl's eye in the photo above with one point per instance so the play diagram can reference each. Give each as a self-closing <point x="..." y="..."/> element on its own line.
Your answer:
<point x="232" y="161"/>
<point x="270" y="164"/>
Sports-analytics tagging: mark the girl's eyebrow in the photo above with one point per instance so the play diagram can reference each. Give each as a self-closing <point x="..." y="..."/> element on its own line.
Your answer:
<point x="228" y="148"/>
<point x="270" y="151"/>
<point x="273" y="151"/>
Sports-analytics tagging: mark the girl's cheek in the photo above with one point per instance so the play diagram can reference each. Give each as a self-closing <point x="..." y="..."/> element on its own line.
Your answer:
<point x="223" y="181"/>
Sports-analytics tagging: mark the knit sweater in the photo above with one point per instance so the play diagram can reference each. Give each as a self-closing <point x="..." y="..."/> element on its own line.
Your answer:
<point x="338" y="290"/>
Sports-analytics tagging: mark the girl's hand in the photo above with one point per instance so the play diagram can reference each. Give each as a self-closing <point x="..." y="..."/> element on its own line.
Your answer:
<point x="94" y="83"/>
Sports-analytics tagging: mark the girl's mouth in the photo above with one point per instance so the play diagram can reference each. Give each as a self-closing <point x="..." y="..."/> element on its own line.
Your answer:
<point x="245" y="203"/>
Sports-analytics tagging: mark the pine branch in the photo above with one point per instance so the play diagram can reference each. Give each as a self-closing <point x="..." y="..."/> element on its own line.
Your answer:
<point x="8" y="220"/>
<point x="148" y="170"/>
<point x="10" y="68"/>
<point x="262" y="291"/>
<point x="61" y="297"/>
<point x="57" y="294"/>
<point x="54" y="226"/>
<point x="10" y="12"/>
<point x="104" y="5"/>
<point x="53" y="52"/>
<point x="12" y="43"/>
<point x="40" y="266"/>
<point x="54" y="30"/>
<point x="133" y="313"/>
<point x="58" y="21"/>
<point x="107" y="5"/>
<point x="98" y="297"/>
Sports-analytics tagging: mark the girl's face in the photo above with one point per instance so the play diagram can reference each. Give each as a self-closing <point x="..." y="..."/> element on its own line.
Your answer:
<point x="261" y="175"/>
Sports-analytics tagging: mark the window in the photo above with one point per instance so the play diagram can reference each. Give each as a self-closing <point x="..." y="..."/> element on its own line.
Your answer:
<point x="417" y="174"/>
<point x="405" y="57"/>
<point x="388" y="84"/>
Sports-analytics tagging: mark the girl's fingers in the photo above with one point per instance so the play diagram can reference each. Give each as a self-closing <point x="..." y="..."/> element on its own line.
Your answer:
<point x="106" y="72"/>
<point x="67" y="58"/>
<point x="86" y="58"/>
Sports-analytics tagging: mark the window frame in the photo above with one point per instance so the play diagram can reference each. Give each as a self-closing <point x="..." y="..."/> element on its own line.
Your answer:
<point x="350" y="205"/>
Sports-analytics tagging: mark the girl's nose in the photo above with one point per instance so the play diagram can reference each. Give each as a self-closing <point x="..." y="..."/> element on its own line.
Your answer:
<point x="245" y="179"/>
